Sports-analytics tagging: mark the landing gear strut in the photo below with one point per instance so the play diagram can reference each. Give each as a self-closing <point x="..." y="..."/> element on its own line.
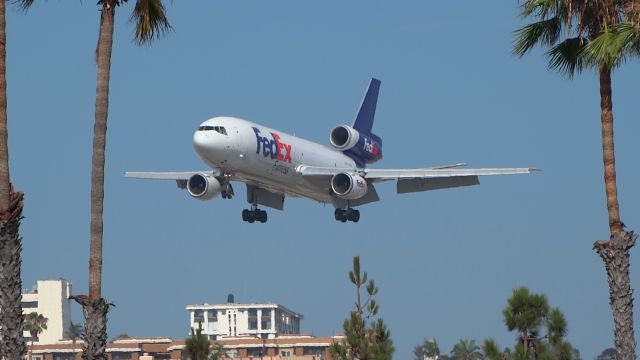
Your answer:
<point x="348" y="214"/>
<point x="254" y="214"/>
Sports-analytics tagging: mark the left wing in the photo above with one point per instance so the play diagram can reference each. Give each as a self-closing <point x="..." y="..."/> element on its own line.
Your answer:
<point x="181" y="177"/>
<point x="413" y="180"/>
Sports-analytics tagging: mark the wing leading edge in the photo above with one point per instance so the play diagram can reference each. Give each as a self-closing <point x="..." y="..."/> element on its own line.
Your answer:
<point x="414" y="180"/>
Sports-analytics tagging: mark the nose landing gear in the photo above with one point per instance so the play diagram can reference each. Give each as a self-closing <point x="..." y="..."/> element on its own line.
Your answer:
<point x="348" y="214"/>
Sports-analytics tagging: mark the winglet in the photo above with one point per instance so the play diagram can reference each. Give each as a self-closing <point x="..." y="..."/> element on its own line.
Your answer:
<point x="367" y="111"/>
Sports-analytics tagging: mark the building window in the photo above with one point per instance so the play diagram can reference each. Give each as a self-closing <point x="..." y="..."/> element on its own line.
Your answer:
<point x="285" y="353"/>
<point x="63" y="357"/>
<point x="254" y="352"/>
<point x="266" y="325"/>
<point x="29" y="304"/>
<point x="253" y="312"/>
<point x="198" y="316"/>
<point x="212" y="315"/>
<point x="253" y="324"/>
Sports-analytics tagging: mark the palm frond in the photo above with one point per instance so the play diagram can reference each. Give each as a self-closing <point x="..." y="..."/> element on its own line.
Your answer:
<point x="545" y="32"/>
<point x="629" y="33"/>
<point x="566" y="57"/>
<point x="606" y="50"/>
<point x="151" y="21"/>
<point x="24" y="5"/>
<point x="539" y="8"/>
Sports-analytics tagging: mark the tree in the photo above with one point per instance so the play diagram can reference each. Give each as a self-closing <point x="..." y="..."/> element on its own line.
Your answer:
<point x="150" y="22"/>
<point x="11" y="205"/>
<point x="34" y="323"/>
<point x="218" y="352"/>
<point x="197" y="347"/>
<point x="600" y="34"/>
<point x="466" y="349"/>
<point x="529" y="314"/>
<point x="428" y="349"/>
<point x="364" y="340"/>
<point x="73" y="332"/>
<point x="607" y="354"/>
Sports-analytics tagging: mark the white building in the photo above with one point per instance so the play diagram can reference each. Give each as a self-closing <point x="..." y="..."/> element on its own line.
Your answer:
<point x="264" y="321"/>
<point x="51" y="299"/>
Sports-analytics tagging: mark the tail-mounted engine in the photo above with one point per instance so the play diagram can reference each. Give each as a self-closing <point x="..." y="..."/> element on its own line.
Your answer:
<point x="349" y="186"/>
<point x="363" y="148"/>
<point x="203" y="186"/>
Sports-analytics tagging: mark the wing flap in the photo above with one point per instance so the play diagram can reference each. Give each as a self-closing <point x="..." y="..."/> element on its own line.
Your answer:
<point x="424" y="184"/>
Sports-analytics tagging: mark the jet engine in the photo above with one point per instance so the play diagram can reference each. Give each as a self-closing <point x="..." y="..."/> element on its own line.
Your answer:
<point x="344" y="137"/>
<point x="349" y="186"/>
<point x="203" y="187"/>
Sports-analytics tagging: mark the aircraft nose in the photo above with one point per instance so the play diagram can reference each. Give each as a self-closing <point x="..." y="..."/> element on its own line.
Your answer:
<point x="202" y="142"/>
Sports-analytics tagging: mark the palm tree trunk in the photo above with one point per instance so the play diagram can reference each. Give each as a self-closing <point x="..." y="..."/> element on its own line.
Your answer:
<point x="13" y="346"/>
<point x="11" y="319"/>
<point x="608" y="154"/>
<point x="96" y="310"/>
<point x="4" y="146"/>
<point x="615" y="251"/>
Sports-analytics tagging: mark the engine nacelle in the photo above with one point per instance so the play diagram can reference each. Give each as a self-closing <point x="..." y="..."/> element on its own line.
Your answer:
<point x="344" y="137"/>
<point x="349" y="186"/>
<point x="203" y="186"/>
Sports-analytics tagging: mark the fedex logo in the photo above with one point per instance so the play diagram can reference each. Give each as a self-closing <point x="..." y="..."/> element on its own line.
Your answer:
<point x="272" y="147"/>
<point x="370" y="147"/>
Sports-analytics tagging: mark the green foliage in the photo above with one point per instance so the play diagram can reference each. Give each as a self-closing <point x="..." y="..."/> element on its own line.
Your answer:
<point x="218" y="352"/>
<point x="466" y="349"/>
<point x="429" y="348"/>
<point x="35" y="324"/>
<point x="197" y="347"/>
<point x="607" y="354"/>
<point x="363" y="340"/>
<point x="541" y="330"/>
<point x="74" y="331"/>
<point x="598" y="34"/>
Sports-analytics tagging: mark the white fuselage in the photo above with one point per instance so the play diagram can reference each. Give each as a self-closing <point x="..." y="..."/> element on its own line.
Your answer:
<point x="258" y="155"/>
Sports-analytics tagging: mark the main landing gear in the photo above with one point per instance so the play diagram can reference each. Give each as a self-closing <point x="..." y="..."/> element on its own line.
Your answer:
<point x="254" y="215"/>
<point x="349" y="214"/>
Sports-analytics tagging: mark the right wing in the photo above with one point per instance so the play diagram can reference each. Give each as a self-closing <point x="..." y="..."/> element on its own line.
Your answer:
<point x="180" y="177"/>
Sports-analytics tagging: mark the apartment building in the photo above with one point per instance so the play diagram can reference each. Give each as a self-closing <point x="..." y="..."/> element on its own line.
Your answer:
<point x="51" y="299"/>
<point x="291" y="347"/>
<point x="264" y="321"/>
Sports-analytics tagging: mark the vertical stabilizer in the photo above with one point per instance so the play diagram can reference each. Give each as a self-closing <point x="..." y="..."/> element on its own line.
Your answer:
<point x="364" y="119"/>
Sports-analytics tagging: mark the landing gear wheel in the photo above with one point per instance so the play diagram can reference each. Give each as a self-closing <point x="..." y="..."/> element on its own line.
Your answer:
<point x="348" y="214"/>
<point x="252" y="216"/>
<point x="262" y="216"/>
<point x="354" y="216"/>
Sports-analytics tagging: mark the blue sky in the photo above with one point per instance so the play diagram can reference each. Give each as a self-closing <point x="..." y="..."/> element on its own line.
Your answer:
<point x="445" y="261"/>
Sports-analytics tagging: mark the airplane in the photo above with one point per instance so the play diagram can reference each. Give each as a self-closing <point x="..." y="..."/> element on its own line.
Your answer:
<point x="275" y="165"/>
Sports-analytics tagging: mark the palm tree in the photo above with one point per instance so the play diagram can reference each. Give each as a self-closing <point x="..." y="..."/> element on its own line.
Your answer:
<point x="219" y="352"/>
<point x="596" y="39"/>
<point x="197" y="347"/>
<point x="11" y="320"/>
<point x="34" y="323"/>
<point x="428" y="349"/>
<point x="466" y="349"/>
<point x="74" y="331"/>
<point x="151" y="22"/>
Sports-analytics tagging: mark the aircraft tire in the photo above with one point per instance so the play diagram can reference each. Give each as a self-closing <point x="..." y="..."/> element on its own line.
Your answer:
<point x="262" y="216"/>
<point x="354" y="216"/>
<point x="246" y="214"/>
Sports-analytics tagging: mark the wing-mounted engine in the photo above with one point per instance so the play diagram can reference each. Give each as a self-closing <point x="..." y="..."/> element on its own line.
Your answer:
<point x="349" y="186"/>
<point x="204" y="186"/>
<point x="362" y="148"/>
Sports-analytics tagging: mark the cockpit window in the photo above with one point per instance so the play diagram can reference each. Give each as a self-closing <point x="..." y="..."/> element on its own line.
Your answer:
<point x="219" y="129"/>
